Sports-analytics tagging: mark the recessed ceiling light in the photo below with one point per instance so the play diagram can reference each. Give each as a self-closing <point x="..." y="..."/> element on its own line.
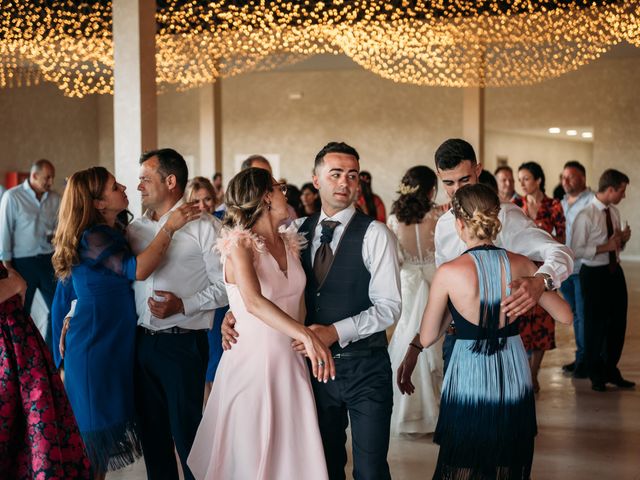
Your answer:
<point x="554" y="130"/>
<point x="587" y="135"/>
<point x="572" y="133"/>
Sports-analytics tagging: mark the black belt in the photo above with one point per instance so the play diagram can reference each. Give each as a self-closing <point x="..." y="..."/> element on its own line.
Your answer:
<point x="174" y="330"/>
<point x="359" y="353"/>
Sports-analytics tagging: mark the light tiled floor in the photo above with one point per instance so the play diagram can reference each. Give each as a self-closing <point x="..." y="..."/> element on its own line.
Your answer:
<point x="582" y="434"/>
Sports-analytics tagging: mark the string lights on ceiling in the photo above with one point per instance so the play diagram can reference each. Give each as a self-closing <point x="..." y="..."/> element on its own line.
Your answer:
<point x="440" y="43"/>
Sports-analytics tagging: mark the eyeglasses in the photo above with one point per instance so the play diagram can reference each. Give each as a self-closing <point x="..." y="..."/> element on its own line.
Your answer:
<point x="282" y="186"/>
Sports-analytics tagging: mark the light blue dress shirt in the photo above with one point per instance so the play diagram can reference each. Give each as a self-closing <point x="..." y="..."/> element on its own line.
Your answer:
<point x="26" y="223"/>
<point x="570" y="214"/>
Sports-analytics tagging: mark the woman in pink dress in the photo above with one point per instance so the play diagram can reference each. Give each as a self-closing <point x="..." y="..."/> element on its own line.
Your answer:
<point x="260" y="421"/>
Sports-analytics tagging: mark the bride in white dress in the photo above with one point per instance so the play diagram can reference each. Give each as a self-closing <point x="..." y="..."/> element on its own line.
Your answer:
<point x="413" y="220"/>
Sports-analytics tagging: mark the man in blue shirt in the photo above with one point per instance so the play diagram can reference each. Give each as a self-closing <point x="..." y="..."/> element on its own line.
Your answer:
<point x="28" y="218"/>
<point x="577" y="197"/>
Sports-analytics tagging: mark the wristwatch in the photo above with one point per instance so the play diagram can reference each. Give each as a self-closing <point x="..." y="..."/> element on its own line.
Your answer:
<point x="548" y="281"/>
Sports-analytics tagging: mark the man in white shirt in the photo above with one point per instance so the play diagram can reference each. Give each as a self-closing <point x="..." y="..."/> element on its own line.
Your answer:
<point x="576" y="198"/>
<point x="175" y="307"/>
<point x="352" y="296"/>
<point x="28" y="218"/>
<point x="506" y="184"/>
<point x="597" y="237"/>
<point x="457" y="166"/>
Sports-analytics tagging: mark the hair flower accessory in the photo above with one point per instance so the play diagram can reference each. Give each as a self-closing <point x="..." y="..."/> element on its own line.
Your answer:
<point x="408" y="189"/>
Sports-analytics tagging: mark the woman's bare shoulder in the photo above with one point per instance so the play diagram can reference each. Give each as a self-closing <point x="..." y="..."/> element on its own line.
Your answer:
<point x="457" y="267"/>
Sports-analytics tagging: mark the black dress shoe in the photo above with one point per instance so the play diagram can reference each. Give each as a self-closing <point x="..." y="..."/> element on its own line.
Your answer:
<point x="569" y="367"/>
<point x="580" y="371"/>
<point x="598" y="387"/>
<point x="622" y="383"/>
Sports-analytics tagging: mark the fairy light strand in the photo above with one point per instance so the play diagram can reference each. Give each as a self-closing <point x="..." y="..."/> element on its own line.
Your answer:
<point x="438" y="43"/>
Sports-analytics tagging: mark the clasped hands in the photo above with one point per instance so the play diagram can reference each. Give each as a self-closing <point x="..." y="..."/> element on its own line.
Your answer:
<point x="618" y="240"/>
<point x="167" y="307"/>
<point x="324" y="335"/>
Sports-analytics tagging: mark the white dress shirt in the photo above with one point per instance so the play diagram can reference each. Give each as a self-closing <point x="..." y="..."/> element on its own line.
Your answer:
<point x="590" y="230"/>
<point x="191" y="270"/>
<point x="380" y="258"/>
<point x="519" y="235"/>
<point x="26" y="223"/>
<point x="570" y="214"/>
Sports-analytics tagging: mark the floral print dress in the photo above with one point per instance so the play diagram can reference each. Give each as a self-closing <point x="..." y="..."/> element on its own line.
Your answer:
<point x="537" y="327"/>
<point x="39" y="437"/>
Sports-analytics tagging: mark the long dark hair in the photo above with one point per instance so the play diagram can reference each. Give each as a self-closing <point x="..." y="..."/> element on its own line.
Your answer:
<point x="317" y="204"/>
<point x="536" y="170"/>
<point x="413" y="202"/>
<point x="367" y="193"/>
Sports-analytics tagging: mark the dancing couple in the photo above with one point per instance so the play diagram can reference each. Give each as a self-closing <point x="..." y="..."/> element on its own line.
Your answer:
<point x="265" y="418"/>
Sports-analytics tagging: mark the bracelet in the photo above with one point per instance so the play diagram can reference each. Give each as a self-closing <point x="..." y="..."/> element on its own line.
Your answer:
<point x="415" y="346"/>
<point x="169" y="234"/>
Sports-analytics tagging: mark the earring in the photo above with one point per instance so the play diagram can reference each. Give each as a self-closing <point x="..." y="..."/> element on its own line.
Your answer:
<point x="268" y="206"/>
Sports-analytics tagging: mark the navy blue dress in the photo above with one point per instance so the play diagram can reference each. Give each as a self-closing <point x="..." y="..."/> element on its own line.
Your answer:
<point x="99" y="352"/>
<point x="215" y="334"/>
<point x="487" y="421"/>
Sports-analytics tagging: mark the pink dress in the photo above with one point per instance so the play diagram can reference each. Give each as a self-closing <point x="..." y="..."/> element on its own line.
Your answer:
<point x="260" y="421"/>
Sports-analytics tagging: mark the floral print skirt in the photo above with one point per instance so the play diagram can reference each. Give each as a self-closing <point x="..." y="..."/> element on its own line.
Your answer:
<point x="39" y="438"/>
<point x="538" y="330"/>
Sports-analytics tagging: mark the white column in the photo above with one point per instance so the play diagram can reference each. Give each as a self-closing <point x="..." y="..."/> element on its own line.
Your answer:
<point x="134" y="100"/>
<point x="211" y="129"/>
<point x="473" y="119"/>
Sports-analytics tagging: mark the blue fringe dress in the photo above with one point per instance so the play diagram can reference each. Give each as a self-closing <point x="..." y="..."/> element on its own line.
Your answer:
<point x="487" y="421"/>
<point x="99" y="352"/>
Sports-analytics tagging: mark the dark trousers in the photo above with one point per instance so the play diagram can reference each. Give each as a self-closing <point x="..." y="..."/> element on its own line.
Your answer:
<point x="170" y="371"/>
<point x="362" y="392"/>
<point x="38" y="273"/>
<point x="605" y="320"/>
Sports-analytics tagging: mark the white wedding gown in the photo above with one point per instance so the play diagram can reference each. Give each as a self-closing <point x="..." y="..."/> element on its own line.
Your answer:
<point x="416" y="413"/>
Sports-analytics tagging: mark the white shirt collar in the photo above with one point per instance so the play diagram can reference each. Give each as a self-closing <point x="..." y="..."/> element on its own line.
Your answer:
<point x="343" y="216"/>
<point x="599" y="205"/>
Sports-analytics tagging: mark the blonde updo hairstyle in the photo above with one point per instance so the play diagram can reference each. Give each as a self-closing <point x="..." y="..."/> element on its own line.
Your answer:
<point x="244" y="197"/>
<point x="478" y="207"/>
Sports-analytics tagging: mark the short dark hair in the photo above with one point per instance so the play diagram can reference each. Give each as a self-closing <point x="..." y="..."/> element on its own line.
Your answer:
<point x="216" y="176"/>
<point x="248" y="162"/>
<point x="171" y="163"/>
<point x="536" y="171"/>
<point x="453" y="152"/>
<point x="334" y="147"/>
<point x="577" y="165"/>
<point x="503" y="168"/>
<point x="612" y="178"/>
<point x="486" y="178"/>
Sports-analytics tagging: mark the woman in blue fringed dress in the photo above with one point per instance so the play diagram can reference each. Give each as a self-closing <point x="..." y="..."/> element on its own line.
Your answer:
<point x="93" y="258"/>
<point x="487" y="422"/>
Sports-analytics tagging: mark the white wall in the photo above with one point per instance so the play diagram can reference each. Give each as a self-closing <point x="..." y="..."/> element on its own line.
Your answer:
<point x="550" y="153"/>
<point x="392" y="126"/>
<point x="39" y="122"/>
